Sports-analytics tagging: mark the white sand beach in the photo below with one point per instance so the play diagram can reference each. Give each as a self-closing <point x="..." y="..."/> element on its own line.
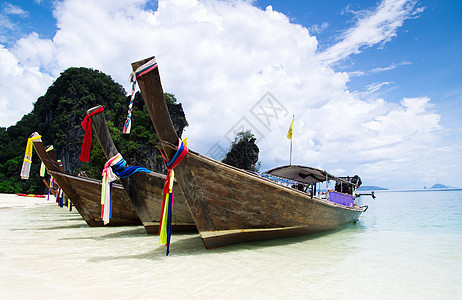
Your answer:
<point x="47" y="252"/>
<point x="12" y="200"/>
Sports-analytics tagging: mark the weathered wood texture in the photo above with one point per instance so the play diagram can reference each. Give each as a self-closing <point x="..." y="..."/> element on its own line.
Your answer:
<point x="232" y="206"/>
<point x="88" y="191"/>
<point x="157" y="110"/>
<point x="85" y="193"/>
<point x="144" y="189"/>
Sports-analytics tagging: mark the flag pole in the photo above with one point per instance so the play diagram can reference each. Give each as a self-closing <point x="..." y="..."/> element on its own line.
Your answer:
<point x="290" y="160"/>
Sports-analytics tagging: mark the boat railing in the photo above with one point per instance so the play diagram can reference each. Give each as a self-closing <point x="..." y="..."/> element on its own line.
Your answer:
<point x="302" y="187"/>
<point x="278" y="180"/>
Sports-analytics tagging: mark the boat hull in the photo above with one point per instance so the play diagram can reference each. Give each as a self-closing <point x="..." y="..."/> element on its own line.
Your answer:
<point x="148" y="202"/>
<point x="215" y="239"/>
<point x="85" y="193"/>
<point x="145" y="189"/>
<point x="232" y="206"/>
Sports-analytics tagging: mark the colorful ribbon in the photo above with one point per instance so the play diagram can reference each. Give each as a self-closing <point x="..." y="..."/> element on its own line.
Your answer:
<point x="42" y="166"/>
<point x="147" y="67"/>
<point x="69" y="204"/>
<point x="106" y="195"/>
<point x="115" y="168"/>
<point x="165" y="226"/>
<point x="25" y="169"/>
<point x="52" y="181"/>
<point x="86" y="145"/>
<point x="59" y="197"/>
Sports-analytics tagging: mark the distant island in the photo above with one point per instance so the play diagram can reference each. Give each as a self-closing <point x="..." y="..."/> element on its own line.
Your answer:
<point x="439" y="186"/>
<point x="378" y="188"/>
<point x="435" y="187"/>
<point x="371" y="188"/>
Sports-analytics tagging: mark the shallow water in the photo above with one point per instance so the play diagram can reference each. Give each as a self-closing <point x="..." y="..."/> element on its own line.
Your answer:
<point x="407" y="245"/>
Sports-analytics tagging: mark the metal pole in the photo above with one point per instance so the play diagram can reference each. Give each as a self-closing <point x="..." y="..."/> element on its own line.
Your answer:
<point x="327" y="187"/>
<point x="290" y="160"/>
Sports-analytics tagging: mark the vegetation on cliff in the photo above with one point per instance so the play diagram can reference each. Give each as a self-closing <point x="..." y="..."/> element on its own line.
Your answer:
<point x="244" y="152"/>
<point x="57" y="117"/>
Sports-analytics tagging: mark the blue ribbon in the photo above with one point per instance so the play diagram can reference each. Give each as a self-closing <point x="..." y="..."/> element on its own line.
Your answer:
<point x="122" y="171"/>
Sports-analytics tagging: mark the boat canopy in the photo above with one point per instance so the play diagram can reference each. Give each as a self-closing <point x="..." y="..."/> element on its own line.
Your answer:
<point x="302" y="174"/>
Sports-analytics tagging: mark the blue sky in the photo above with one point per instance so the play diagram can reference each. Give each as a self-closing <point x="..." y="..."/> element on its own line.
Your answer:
<point x="375" y="87"/>
<point x="428" y="47"/>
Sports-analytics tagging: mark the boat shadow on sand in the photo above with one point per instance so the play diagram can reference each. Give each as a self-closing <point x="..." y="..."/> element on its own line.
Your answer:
<point x="351" y="227"/>
<point x="70" y="226"/>
<point x="131" y="232"/>
<point x="192" y="245"/>
<point x="68" y="219"/>
<point x="188" y="246"/>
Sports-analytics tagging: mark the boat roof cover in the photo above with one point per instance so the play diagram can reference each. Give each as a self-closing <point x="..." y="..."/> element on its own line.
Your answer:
<point x="302" y="174"/>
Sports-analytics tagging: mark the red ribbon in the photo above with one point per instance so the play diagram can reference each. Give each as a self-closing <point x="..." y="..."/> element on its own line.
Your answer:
<point x="86" y="145"/>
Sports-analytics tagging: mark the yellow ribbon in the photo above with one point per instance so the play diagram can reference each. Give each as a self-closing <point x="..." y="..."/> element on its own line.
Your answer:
<point x="29" y="147"/>
<point x="42" y="166"/>
<point x="163" y="228"/>
<point x="28" y="157"/>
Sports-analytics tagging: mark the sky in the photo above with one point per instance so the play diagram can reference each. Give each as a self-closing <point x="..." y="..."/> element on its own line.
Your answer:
<point x="374" y="86"/>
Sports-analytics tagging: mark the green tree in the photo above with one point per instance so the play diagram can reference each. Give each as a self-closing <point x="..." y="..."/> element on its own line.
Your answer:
<point x="57" y="116"/>
<point x="244" y="152"/>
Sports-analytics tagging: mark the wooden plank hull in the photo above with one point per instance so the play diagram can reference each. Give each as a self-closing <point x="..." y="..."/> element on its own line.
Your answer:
<point x="85" y="193"/>
<point x="230" y="205"/>
<point x="145" y="190"/>
<point x="233" y="206"/>
<point x="148" y="203"/>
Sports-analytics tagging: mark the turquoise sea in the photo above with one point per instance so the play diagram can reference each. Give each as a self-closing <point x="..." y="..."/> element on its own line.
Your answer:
<point x="408" y="245"/>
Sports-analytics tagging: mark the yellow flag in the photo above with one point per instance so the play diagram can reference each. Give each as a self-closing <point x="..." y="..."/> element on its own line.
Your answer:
<point x="291" y="130"/>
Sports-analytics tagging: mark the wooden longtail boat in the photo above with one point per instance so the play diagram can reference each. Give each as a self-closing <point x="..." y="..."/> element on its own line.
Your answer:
<point x="85" y="193"/>
<point x="230" y="205"/>
<point x="144" y="189"/>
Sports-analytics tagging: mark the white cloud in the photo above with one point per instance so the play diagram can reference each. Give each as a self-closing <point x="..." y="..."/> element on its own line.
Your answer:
<point x="374" y="87"/>
<point x="34" y="51"/>
<point x="11" y="9"/>
<point x="317" y="29"/>
<point x="220" y="58"/>
<point x="7" y="26"/>
<point x="390" y="67"/>
<point x="378" y="70"/>
<point x="378" y="26"/>
<point x="356" y="73"/>
<point x="20" y="86"/>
